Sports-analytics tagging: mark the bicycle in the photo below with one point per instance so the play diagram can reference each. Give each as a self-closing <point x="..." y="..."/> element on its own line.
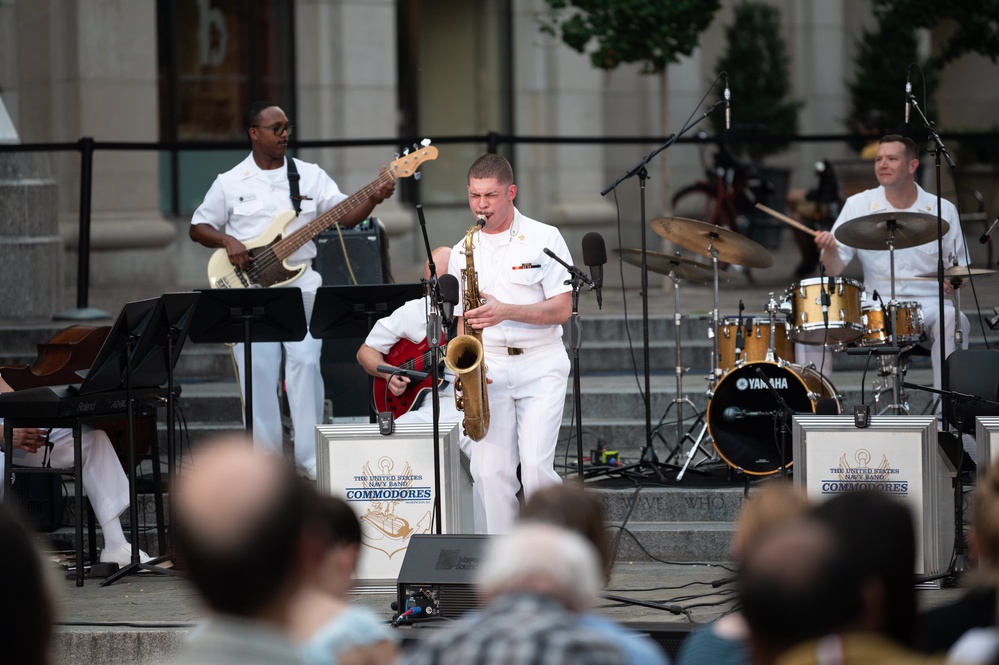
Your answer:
<point x="727" y="196"/>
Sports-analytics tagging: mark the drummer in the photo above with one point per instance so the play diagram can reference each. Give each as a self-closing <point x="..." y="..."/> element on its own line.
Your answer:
<point x="895" y="166"/>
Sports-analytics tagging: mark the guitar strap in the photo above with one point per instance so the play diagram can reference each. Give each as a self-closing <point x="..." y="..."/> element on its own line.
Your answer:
<point x="293" y="178"/>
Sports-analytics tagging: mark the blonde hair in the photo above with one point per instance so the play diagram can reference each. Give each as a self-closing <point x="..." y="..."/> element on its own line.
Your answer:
<point x="773" y="506"/>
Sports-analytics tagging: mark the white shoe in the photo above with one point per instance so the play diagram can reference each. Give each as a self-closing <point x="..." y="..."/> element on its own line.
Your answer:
<point x="123" y="556"/>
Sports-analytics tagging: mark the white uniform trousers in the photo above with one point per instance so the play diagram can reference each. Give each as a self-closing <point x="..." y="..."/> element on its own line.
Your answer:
<point x="303" y="380"/>
<point x="526" y="400"/>
<point x="449" y="414"/>
<point x="104" y="481"/>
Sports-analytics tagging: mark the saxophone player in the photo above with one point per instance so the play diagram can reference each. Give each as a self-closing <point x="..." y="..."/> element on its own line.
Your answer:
<point x="524" y="302"/>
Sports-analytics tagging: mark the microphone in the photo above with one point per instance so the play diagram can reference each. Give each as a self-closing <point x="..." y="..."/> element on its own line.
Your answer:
<point x="988" y="234"/>
<point x="908" y="91"/>
<point x="728" y="105"/>
<point x="595" y="256"/>
<point x="448" y="284"/>
<point x="825" y="296"/>
<point x="735" y="413"/>
<point x="410" y="374"/>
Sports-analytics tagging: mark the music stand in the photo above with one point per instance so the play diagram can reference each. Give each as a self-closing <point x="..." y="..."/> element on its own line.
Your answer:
<point x="149" y="363"/>
<point x="247" y="316"/>
<point x="156" y="356"/>
<point x="108" y="370"/>
<point x="345" y="312"/>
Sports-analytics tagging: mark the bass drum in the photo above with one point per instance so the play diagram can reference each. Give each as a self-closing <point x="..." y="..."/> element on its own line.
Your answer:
<point x="742" y="410"/>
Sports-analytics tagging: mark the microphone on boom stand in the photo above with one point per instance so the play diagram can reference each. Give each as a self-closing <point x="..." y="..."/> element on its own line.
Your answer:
<point x="594" y="257"/>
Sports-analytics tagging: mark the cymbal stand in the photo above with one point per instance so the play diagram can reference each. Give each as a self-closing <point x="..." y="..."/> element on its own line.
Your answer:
<point x="898" y="401"/>
<point x="681" y="397"/>
<point x="716" y="371"/>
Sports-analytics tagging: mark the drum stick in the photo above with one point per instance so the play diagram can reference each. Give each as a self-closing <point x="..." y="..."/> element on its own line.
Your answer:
<point x="787" y="220"/>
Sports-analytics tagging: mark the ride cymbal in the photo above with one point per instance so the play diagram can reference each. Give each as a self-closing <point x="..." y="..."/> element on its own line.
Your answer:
<point x="698" y="236"/>
<point x="872" y="231"/>
<point x="957" y="271"/>
<point x="683" y="268"/>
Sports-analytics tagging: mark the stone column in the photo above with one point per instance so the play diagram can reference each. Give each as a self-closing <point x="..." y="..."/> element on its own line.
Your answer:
<point x="30" y="247"/>
<point x="346" y="81"/>
<point x="88" y="68"/>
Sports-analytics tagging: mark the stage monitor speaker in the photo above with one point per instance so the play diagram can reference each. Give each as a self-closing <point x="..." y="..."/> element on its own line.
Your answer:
<point x="364" y="245"/>
<point x="437" y="575"/>
<point x="342" y="375"/>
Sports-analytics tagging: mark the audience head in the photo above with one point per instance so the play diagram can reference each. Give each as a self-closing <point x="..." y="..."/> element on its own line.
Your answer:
<point x="338" y="539"/>
<point x="795" y="584"/>
<point x="577" y="510"/>
<point x="28" y="613"/>
<point x="878" y="531"/>
<point x="240" y="519"/>
<point x="984" y="534"/>
<point x="771" y="507"/>
<point x="541" y="559"/>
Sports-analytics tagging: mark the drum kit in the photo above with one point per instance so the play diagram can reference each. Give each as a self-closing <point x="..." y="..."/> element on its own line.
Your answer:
<point x="755" y="384"/>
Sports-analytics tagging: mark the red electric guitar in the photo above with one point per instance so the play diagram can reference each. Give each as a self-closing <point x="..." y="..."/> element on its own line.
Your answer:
<point x="405" y="355"/>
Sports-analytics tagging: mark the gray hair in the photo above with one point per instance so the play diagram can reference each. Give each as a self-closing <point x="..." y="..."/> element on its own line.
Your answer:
<point x="544" y="559"/>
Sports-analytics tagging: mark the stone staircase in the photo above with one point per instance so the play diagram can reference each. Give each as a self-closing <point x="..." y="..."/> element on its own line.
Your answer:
<point x="673" y="523"/>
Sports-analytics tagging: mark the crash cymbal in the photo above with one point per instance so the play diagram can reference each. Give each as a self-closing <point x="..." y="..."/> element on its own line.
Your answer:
<point x="957" y="271"/>
<point x="683" y="268"/>
<point x="696" y="236"/>
<point x="872" y="231"/>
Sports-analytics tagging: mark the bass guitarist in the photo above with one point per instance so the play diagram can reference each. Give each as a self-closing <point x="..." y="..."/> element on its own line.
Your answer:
<point x="238" y="208"/>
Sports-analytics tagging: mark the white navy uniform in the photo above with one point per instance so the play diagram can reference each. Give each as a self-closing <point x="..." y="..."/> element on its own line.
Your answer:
<point x="243" y="202"/>
<point x="909" y="262"/>
<point x="527" y="393"/>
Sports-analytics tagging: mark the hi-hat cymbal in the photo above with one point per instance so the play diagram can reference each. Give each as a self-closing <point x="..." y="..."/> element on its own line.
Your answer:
<point x="957" y="271"/>
<point x="683" y="268"/>
<point x="697" y="236"/>
<point x="872" y="231"/>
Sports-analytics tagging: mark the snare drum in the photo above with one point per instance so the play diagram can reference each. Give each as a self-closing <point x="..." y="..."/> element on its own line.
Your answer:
<point x="845" y="313"/>
<point x="755" y="340"/>
<point x="909" y="318"/>
<point x="741" y="412"/>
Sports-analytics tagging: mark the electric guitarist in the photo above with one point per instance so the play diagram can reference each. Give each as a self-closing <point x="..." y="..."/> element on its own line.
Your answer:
<point x="240" y="206"/>
<point x="400" y="340"/>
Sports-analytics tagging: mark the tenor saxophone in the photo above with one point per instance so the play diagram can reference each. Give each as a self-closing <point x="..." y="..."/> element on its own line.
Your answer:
<point x="465" y="355"/>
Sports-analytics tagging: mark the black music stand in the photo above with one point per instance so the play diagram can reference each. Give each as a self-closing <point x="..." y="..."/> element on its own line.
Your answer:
<point x="152" y="349"/>
<point x="247" y="316"/>
<point x="344" y="312"/>
<point x="155" y="358"/>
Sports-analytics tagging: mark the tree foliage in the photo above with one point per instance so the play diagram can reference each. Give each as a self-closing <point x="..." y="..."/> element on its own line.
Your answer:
<point x="654" y="33"/>
<point x="756" y="60"/>
<point x="972" y="26"/>
<point x="877" y="99"/>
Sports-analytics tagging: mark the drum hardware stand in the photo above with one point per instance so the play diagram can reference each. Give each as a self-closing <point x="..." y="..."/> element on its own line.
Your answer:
<point x="694" y="447"/>
<point x="958" y="562"/>
<point x="681" y="397"/>
<point x="783" y="415"/>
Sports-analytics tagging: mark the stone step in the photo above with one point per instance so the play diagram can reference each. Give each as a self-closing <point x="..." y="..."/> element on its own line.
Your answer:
<point x="681" y="504"/>
<point x="680" y="542"/>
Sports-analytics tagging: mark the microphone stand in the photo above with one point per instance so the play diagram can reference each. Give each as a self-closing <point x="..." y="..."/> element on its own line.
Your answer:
<point x="784" y="416"/>
<point x="576" y="280"/>
<point x="939" y="150"/>
<point x="958" y="561"/>
<point x="648" y="452"/>
<point x="435" y="341"/>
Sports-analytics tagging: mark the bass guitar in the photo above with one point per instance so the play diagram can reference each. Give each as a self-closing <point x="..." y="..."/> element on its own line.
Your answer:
<point x="405" y="355"/>
<point x="269" y="250"/>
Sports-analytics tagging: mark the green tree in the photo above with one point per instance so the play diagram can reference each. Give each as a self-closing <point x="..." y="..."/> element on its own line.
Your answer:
<point x="757" y="64"/>
<point x="877" y="89"/>
<point x="653" y="34"/>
